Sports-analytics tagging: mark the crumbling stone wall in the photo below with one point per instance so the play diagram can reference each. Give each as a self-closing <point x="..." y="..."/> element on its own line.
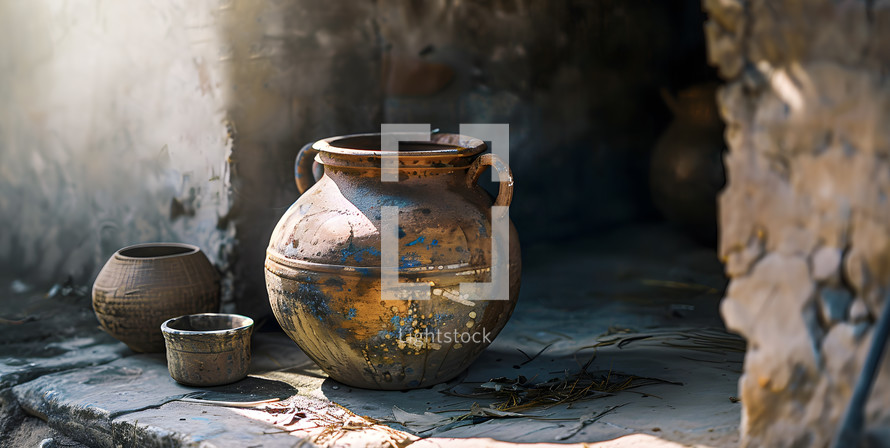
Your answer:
<point x="805" y="219"/>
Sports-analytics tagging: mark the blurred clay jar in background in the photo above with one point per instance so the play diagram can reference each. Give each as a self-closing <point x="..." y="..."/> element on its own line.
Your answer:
<point x="686" y="172"/>
<point x="142" y="286"/>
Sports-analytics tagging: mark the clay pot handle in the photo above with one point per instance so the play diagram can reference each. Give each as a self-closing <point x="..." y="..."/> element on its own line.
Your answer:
<point x="505" y="193"/>
<point x="670" y="101"/>
<point x="304" y="168"/>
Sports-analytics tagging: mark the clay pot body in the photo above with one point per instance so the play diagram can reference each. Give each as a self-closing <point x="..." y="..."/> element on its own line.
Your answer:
<point x="208" y="349"/>
<point x="323" y="264"/>
<point x="142" y="286"/>
<point x="686" y="172"/>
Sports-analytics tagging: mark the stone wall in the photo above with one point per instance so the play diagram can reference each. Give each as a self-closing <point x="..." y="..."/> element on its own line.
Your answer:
<point x="805" y="222"/>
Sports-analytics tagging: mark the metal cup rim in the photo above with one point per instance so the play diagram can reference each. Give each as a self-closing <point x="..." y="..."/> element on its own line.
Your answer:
<point x="166" y="329"/>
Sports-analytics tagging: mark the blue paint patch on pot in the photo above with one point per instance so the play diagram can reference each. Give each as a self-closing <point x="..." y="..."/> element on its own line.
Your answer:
<point x="432" y="244"/>
<point x="409" y="260"/>
<point x="483" y="232"/>
<point x="351" y="314"/>
<point x="313" y="301"/>
<point x="401" y="327"/>
<point x="440" y="318"/>
<point x="417" y="241"/>
<point x="382" y="334"/>
<point x="357" y="253"/>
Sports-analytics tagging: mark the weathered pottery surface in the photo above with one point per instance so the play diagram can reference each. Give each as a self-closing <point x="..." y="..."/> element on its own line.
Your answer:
<point x="323" y="261"/>
<point x="141" y="286"/>
<point x="208" y="349"/>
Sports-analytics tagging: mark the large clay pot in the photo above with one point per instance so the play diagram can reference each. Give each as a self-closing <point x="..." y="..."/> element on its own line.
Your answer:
<point x="142" y="286"/>
<point x="323" y="263"/>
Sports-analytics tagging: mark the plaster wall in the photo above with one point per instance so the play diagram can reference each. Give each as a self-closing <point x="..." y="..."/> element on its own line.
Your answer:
<point x="113" y="131"/>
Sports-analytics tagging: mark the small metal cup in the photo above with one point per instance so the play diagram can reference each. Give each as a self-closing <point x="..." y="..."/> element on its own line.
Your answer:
<point x="208" y="349"/>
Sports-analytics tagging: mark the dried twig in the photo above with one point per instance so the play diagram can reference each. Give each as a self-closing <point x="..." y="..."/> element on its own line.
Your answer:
<point x="586" y="420"/>
<point x="532" y="358"/>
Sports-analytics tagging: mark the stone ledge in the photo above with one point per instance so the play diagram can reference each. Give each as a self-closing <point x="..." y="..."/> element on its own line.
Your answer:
<point x="571" y="297"/>
<point x="75" y="353"/>
<point x="134" y="402"/>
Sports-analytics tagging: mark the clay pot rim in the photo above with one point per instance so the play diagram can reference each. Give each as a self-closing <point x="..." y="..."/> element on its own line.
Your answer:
<point x="247" y="324"/>
<point x="441" y="144"/>
<point x="190" y="250"/>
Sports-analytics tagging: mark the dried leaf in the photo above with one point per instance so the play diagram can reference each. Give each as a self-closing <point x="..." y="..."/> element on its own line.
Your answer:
<point x="479" y="411"/>
<point x="420" y="422"/>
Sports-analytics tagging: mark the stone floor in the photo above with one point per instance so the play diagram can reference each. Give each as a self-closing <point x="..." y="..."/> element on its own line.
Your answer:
<point x="647" y="296"/>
